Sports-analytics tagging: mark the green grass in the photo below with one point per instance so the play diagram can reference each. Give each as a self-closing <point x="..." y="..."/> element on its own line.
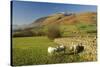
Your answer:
<point x="67" y="30"/>
<point x="80" y="28"/>
<point x="33" y="50"/>
<point x="30" y="50"/>
<point x="87" y="27"/>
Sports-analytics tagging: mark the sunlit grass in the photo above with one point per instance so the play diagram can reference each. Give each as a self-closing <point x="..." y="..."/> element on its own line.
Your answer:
<point x="33" y="50"/>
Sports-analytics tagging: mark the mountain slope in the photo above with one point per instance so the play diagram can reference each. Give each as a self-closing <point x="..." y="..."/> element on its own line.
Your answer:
<point x="65" y="19"/>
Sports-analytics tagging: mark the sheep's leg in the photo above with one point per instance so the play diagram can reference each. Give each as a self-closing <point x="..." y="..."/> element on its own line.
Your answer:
<point x="64" y="51"/>
<point x="75" y="52"/>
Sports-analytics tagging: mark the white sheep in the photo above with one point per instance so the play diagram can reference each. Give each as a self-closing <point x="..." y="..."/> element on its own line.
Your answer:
<point x="51" y="50"/>
<point x="61" y="48"/>
<point x="76" y="48"/>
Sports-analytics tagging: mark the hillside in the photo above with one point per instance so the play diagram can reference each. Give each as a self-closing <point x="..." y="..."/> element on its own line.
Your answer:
<point x="88" y="17"/>
<point x="69" y="24"/>
<point x="64" y="18"/>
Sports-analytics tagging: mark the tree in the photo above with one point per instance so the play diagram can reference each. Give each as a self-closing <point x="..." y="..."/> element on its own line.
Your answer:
<point x="53" y="32"/>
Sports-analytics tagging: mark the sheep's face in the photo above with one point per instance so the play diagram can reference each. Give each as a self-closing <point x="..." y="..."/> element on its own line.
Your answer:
<point x="51" y="50"/>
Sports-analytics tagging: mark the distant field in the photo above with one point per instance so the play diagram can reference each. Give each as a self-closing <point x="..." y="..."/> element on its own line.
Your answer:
<point x="78" y="29"/>
<point x="33" y="50"/>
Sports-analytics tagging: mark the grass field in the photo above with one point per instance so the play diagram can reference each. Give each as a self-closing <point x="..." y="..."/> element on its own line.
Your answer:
<point x="33" y="50"/>
<point x="71" y="36"/>
<point x="30" y="50"/>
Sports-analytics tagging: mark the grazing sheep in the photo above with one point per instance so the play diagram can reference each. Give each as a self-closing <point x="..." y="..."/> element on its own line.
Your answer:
<point x="51" y="50"/>
<point x="77" y="48"/>
<point x="73" y="49"/>
<point x="61" y="48"/>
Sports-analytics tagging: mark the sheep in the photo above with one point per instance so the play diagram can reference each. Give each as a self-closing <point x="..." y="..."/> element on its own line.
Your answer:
<point x="76" y="48"/>
<point x="73" y="49"/>
<point x="61" y="48"/>
<point x="52" y="50"/>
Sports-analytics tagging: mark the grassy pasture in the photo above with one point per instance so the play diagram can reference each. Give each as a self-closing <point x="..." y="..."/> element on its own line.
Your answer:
<point x="30" y="50"/>
<point x="78" y="29"/>
<point x="33" y="50"/>
<point x="29" y="46"/>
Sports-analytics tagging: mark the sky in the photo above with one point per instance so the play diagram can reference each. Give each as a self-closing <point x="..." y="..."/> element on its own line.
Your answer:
<point x="27" y="12"/>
